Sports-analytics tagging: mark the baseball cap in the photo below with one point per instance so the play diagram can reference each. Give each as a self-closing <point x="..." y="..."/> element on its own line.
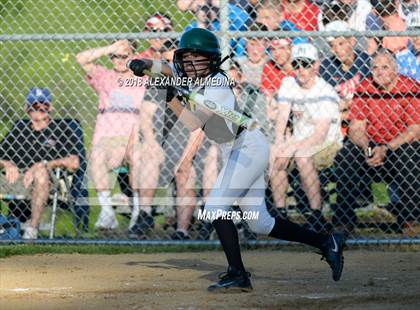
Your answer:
<point x="337" y="25"/>
<point x="413" y="20"/>
<point x="304" y="51"/>
<point x="38" y="95"/>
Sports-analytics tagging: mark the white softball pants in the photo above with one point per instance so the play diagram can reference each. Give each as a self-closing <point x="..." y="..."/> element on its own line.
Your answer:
<point x="241" y="180"/>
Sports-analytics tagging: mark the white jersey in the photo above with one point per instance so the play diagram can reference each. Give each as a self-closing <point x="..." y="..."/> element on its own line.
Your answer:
<point x="223" y="95"/>
<point x="218" y="90"/>
<point x="309" y="106"/>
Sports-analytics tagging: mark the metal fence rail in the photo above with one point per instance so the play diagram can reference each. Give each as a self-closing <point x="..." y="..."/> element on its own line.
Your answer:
<point x="42" y="43"/>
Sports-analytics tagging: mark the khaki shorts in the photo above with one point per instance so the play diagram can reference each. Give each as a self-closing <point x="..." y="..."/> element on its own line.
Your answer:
<point x="115" y="150"/>
<point x="323" y="156"/>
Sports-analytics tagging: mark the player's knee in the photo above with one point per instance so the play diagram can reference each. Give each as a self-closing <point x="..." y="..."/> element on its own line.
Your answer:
<point x="259" y="220"/>
<point x="255" y="227"/>
<point x="41" y="175"/>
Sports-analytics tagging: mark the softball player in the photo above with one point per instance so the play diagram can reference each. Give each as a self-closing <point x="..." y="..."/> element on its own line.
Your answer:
<point x="245" y="157"/>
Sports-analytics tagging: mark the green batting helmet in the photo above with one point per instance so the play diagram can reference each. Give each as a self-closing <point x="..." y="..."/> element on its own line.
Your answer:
<point x="201" y="41"/>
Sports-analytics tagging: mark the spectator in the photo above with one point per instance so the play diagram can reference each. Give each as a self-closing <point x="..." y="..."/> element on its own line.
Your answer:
<point x="157" y="22"/>
<point x="274" y="72"/>
<point x="123" y="133"/>
<point x="301" y="13"/>
<point x="346" y="67"/>
<point x="186" y="175"/>
<point x="251" y="99"/>
<point x="354" y="12"/>
<point x="269" y="14"/>
<point x="31" y="149"/>
<point x="253" y="63"/>
<point x="344" y="70"/>
<point x="385" y="117"/>
<point x="316" y="135"/>
<point x="207" y="17"/>
<point x="409" y="59"/>
<point x="238" y="17"/>
<point x="278" y="67"/>
<point x="384" y="16"/>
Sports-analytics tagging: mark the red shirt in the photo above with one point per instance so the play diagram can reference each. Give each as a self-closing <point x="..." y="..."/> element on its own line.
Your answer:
<point x="388" y="113"/>
<point x="271" y="78"/>
<point x="307" y="19"/>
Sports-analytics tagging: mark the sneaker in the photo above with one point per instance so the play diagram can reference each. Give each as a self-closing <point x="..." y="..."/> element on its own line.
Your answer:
<point x="179" y="235"/>
<point x="144" y="222"/>
<point x="30" y="233"/>
<point x="106" y="220"/>
<point x="333" y="253"/>
<point x="231" y="281"/>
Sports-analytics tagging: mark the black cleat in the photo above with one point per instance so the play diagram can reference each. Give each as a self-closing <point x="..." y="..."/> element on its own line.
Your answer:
<point x="232" y="281"/>
<point x="333" y="253"/>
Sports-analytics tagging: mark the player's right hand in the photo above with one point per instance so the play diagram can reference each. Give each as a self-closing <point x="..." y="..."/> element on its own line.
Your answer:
<point x="139" y="65"/>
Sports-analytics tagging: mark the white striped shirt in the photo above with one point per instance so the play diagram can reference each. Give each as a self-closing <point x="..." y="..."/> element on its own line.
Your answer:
<point x="309" y="106"/>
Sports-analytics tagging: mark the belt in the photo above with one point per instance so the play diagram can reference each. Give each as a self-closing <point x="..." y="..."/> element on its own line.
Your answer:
<point x="119" y="110"/>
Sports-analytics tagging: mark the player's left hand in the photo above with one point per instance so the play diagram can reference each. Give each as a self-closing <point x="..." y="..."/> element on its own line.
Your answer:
<point x="138" y="66"/>
<point x="378" y="158"/>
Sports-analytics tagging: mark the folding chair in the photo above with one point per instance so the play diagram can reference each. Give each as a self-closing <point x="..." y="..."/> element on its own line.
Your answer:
<point x="58" y="191"/>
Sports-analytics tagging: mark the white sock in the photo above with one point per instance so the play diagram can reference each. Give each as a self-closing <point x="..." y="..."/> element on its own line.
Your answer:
<point x="136" y="206"/>
<point x="135" y="200"/>
<point x="104" y="198"/>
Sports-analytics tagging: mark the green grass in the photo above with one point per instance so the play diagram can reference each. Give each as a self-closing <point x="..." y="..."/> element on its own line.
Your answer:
<point x="52" y="64"/>
<point x="30" y="249"/>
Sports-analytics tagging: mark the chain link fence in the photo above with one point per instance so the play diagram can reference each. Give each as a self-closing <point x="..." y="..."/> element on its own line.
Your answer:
<point x="89" y="154"/>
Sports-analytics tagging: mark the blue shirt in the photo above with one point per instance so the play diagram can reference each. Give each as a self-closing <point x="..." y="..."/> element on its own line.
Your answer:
<point x="408" y="64"/>
<point x="332" y="71"/>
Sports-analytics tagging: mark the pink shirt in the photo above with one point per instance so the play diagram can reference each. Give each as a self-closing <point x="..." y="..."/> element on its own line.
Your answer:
<point x="119" y="103"/>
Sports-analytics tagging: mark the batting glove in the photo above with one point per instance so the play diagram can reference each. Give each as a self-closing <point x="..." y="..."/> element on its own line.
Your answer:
<point x="139" y="65"/>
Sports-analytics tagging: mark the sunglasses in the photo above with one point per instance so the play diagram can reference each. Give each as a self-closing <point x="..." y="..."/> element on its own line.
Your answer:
<point x="306" y="64"/>
<point x="39" y="107"/>
<point x="123" y="57"/>
<point x="156" y="29"/>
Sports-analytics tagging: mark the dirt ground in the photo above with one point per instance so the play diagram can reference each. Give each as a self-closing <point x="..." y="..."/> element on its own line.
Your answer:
<point x="282" y="280"/>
